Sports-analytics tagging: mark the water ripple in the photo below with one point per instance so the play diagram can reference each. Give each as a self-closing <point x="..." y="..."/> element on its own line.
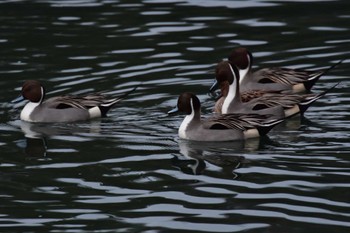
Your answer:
<point x="130" y="171"/>
<point x="172" y="223"/>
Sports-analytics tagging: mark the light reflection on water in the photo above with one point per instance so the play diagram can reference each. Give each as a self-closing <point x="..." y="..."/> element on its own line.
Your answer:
<point x="130" y="171"/>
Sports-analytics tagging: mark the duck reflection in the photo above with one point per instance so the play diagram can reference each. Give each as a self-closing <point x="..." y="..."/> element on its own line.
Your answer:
<point x="38" y="134"/>
<point x="196" y="155"/>
<point x="35" y="147"/>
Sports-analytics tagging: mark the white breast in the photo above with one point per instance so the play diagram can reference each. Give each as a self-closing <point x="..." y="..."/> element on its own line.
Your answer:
<point x="27" y="110"/>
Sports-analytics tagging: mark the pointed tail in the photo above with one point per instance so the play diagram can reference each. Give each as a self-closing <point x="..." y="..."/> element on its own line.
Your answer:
<point x="104" y="108"/>
<point x="316" y="76"/>
<point x="304" y="105"/>
<point x="265" y="127"/>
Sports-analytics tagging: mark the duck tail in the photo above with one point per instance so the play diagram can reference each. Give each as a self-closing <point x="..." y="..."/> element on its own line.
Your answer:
<point x="304" y="105"/>
<point x="265" y="127"/>
<point x="317" y="74"/>
<point x="105" y="107"/>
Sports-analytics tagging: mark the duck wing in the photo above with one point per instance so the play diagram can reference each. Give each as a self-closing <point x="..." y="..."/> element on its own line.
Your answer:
<point x="284" y="100"/>
<point x="235" y="121"/>
<point x="81" y="102"/>
<point x="85" y="101"/>
<point x="285" y="76"/>
<point x="247" y="96"/>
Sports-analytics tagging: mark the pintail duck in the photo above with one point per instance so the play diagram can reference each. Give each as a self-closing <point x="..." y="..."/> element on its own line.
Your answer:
<point x="232" y="101"/>
<point x="275" y="78"/>
<point x="226" y="127"/>
<point x="67" y="108"/>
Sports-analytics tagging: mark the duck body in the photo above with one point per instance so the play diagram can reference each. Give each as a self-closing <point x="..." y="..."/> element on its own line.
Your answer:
<point x="197" y="131"/>
<point x="225" y="127"/>
<point x="50" y="111"/>
<point x="256" y="81"/>
<point x="273" y="78"/>
<point x="66" y="108"/>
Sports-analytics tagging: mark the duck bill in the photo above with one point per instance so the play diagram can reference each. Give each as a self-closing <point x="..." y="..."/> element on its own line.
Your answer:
<point x="20" y="98"/>
<point x="214" y="86"/>
<point x="175" y="110"/>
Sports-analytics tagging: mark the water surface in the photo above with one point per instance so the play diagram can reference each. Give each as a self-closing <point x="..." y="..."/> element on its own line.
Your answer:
<point x="129" y="172"/>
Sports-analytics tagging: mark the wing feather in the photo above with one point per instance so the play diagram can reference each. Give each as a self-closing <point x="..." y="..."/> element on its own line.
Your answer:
<point x="236" y="121"/>
<point x="286" y="76"/>
<point x="84" y="101"/>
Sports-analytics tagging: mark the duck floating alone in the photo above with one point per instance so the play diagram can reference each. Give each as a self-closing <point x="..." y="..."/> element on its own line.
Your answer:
<point x="65" y="108"/>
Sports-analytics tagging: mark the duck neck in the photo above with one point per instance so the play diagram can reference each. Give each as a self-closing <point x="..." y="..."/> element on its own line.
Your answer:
<point x="233" y="97"/>
<point x="230" y="100"/>
<point x="243" y="74"/>
<point x="189" y="120"/>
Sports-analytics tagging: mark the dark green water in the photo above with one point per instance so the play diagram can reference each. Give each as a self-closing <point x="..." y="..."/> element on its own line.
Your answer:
<point x="130" y="172"/>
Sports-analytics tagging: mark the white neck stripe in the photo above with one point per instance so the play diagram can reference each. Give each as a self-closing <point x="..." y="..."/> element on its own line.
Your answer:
<point x="184" y="125"/>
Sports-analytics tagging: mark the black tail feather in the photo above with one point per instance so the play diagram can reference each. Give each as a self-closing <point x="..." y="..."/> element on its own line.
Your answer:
<point x="264" y="128"/>
<point x="303" y="106"/>
<point x="104" y="108"/>
<point x="311" y="82"/>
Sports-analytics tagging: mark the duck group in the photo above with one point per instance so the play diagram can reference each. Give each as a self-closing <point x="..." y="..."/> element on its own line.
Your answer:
<point x="250" y="103"/>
